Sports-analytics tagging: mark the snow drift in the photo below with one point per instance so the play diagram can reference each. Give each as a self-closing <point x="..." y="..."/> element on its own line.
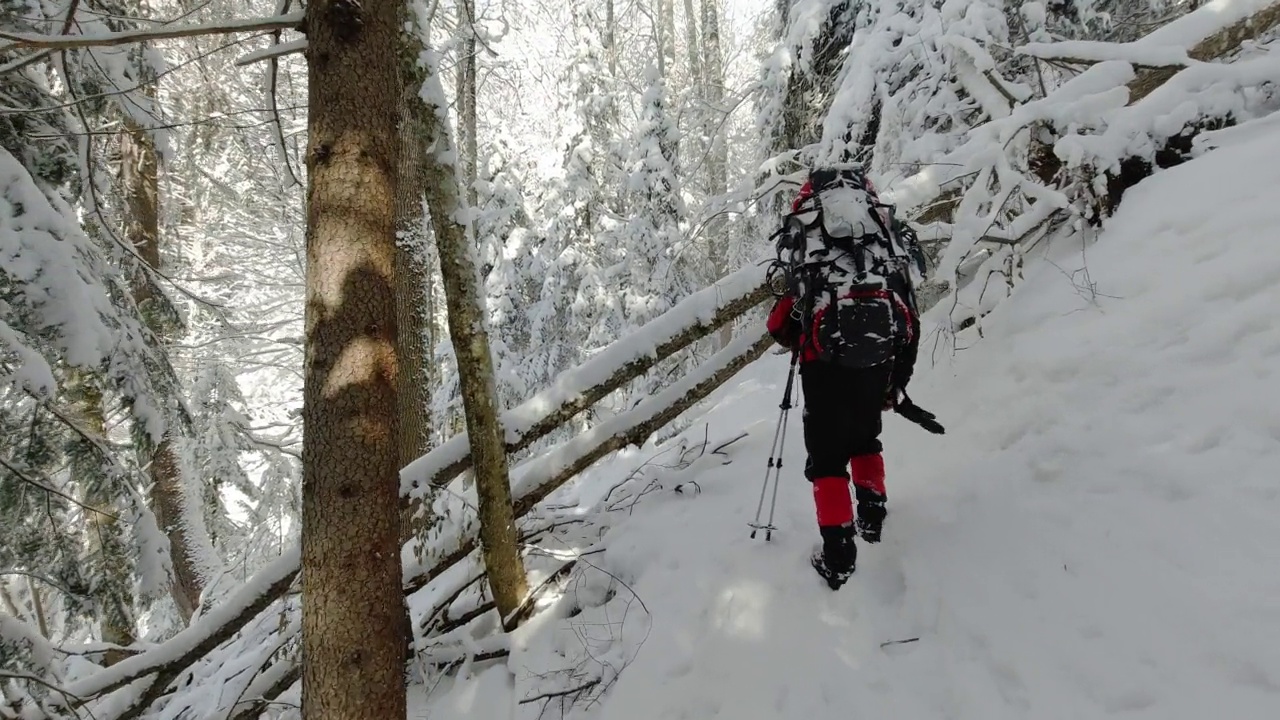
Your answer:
<point x="1097" y="533"/>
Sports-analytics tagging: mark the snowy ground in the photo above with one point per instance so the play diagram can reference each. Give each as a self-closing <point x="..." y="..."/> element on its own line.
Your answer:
<point x="1098" y="533"/>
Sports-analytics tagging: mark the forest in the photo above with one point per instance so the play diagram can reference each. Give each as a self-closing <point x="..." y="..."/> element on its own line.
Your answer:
<point x="475" y="248"/>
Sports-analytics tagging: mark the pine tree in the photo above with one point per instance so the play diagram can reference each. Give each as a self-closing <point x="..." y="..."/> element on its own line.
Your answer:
<point x="353" y="614"/>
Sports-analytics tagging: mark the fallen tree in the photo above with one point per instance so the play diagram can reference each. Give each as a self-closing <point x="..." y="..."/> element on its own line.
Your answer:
<point x="695" y="317"/>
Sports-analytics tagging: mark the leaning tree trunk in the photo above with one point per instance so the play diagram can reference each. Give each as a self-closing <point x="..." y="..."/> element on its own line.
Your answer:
<point x="139" y="175"/>
<point x="475" y="374"/>
<point x="353" y="613"/>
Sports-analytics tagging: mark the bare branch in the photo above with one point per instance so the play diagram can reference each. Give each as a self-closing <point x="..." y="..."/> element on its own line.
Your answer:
<point x="273" y="52"/>
<point x="292" y="21"/>
<point x="51" y="490"/>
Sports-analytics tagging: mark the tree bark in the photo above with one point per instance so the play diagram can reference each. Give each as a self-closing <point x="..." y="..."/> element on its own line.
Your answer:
<point x="353" y="613"/>
<point x="466" y="93"/>
<point x="139" y="176"/>
<point x="415" y="312"/>
<point x="414" y="332"/>
<point x="465" y="313"/>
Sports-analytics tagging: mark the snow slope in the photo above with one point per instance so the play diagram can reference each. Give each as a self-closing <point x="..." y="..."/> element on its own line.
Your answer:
<point x="1098" y="534"/>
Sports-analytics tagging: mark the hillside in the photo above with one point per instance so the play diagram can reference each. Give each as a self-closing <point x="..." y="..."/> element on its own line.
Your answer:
<point x="1096" y="534"/>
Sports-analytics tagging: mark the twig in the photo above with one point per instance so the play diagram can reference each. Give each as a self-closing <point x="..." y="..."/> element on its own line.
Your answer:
<point x="717" y="450"/>
<point x="66" y="696"/>
<point x="899" y="642"/>
<point x="53" y="491"/>
<point x="562" y="693"/>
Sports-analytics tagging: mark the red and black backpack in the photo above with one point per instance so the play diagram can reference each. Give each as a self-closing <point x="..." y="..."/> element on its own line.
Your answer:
<point x="846" y="262"/>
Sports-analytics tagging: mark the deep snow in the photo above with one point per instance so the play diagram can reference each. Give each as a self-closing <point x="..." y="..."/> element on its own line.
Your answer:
<point x="1097" y="534"/>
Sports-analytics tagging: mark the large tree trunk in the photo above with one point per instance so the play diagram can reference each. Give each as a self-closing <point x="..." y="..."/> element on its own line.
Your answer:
<point x="353" y="613"/>
<point x="414" y="335"/>
<point x="139" y="176"/>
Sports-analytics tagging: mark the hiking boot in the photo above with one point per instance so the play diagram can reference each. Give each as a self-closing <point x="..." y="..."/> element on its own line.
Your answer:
<point x="871" y="514"/>
<point x="836" y="560"/>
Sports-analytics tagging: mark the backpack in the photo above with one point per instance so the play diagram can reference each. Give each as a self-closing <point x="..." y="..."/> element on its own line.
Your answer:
<point x="846" y="260"/>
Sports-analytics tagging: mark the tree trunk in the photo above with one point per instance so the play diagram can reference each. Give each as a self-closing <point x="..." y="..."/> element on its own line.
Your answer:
<point x="610" y="38"/>
<point x="465" y="312"/>
<point x="691" y="40"/>
<point x="466" y="92"/>
<point x="353" y="613"/>
<point x="717" y="150"/>
<point x="666" y="37"/>
<point x="139" y="177"/>
<point x="108" y="552"/>
<point x="415" y="335"/>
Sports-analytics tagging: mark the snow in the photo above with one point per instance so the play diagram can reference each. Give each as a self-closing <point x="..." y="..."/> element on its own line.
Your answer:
<point x="1095" y="534"/>
<point x="201" y="630"/>
<point x="1164" y="46"/>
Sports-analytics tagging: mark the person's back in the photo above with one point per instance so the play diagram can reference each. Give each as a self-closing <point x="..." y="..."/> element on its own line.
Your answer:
<point x="849" y="313"/>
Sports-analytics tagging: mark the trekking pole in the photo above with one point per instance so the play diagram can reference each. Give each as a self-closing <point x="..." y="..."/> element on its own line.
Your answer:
<point x="774" y="466"/>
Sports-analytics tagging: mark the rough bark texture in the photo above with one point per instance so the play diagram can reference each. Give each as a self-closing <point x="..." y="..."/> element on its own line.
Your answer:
<point x="415" y="324"/>
<point x="413" y="321"/>
<point x="479" y="394"/>
<point x="139" y="176"/>
<point x="353" y="613"/>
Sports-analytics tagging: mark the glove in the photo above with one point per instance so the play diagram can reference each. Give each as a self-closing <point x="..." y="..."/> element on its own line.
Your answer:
<point x="918" y="415"/>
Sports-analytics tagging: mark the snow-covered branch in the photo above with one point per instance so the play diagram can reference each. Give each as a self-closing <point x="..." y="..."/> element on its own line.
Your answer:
<point x="165" y="32"/>
<point x="542" y="476"/>
<point x="273" y="51"/>
<point x="217" y="626"/>
<point x="578" y="388"/>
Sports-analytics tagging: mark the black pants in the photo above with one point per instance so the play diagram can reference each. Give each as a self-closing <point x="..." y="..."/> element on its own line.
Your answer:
<point x="842" y="408"/>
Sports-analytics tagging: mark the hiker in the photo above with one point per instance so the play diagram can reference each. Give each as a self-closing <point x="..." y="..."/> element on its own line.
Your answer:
<point x="849" y="313"/>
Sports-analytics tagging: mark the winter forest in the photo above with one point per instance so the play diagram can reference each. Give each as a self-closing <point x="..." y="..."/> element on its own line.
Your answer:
<point x="495" y="257"/>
